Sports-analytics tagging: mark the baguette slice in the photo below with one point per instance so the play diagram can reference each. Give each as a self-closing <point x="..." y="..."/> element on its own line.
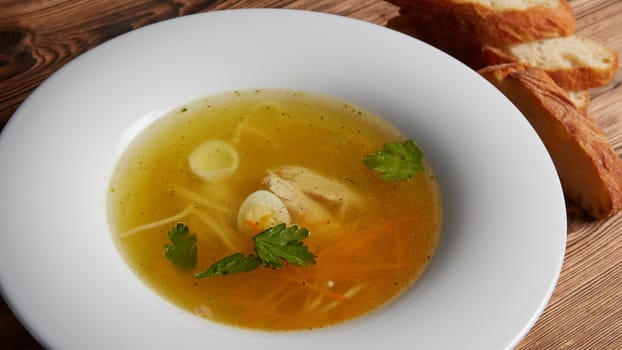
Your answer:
<point x="589" y="170"/>
<point x="496" y="22"/>
<point x="574" y="62"/>
<point x="462" y="47"/>
<point x="463" y="50"/>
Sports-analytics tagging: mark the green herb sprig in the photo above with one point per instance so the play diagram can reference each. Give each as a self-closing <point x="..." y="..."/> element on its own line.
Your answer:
<point x="183" y="250"/>
<point x="272" y="246"/>
<point x="234" y="263"/>
<point x="281" y="243"/>
<point x="397" y="161"/>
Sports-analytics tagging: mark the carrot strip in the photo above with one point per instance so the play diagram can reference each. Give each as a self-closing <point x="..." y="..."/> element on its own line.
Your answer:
<point x="359" y="244"/>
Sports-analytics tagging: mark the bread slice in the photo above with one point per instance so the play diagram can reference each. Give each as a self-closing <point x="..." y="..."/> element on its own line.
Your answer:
<point x="588" y="167"/>
<point x="465" y="49"/>
<point x="495" y="22"/>
<point x="574" y="62"/>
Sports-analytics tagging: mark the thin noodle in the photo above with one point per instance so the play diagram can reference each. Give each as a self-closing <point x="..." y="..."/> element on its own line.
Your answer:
<point x="325" y="291"/>
<point x="237" y="137"/>
<point x="276" y="303"/>
<point x="198" y="199"/>
<point x="158" y="223"/>
<point x="348" y="294"/>
<point x="354" y="290"/>
<point x="330" y="306"/>
<point x="328" y="292"/>
<point x="316" y="302"/>
<point x="216" y="228"/>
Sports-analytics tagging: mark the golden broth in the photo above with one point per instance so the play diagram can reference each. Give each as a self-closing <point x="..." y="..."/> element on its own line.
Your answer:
<point x="369" y="247"/>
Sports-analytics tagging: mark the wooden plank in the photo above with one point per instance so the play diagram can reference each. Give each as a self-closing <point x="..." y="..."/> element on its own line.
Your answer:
<point x="39" y="37"/>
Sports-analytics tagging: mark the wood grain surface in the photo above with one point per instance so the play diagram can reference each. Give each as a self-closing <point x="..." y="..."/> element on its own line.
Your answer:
<point x="37" y="37"/>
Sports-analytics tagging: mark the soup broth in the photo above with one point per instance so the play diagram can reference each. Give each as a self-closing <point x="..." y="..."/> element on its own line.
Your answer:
<point x="371" y="238"/>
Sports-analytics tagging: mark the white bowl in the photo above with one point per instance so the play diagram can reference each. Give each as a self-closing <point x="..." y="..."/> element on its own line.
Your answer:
<point x="504" y="233"/>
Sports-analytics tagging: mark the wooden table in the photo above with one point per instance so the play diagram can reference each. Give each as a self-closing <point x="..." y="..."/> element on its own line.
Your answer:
<point x="585" y="312"/>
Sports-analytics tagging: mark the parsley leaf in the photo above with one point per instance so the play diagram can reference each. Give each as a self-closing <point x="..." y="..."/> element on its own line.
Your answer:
<point x="231" y="264"/>
<point x="183" y="250"/>
<point x="283" y="243"/>
<point x="397" y="161"/>
<point x="272" y="246"/>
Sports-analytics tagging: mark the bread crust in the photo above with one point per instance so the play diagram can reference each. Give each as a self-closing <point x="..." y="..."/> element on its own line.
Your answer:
<point x="580" y="99"/>
<point x="589" y="169"/>
<point x="465" y="49"/>
<point x="572" y="79"/>
<point x="491" y="26"/>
